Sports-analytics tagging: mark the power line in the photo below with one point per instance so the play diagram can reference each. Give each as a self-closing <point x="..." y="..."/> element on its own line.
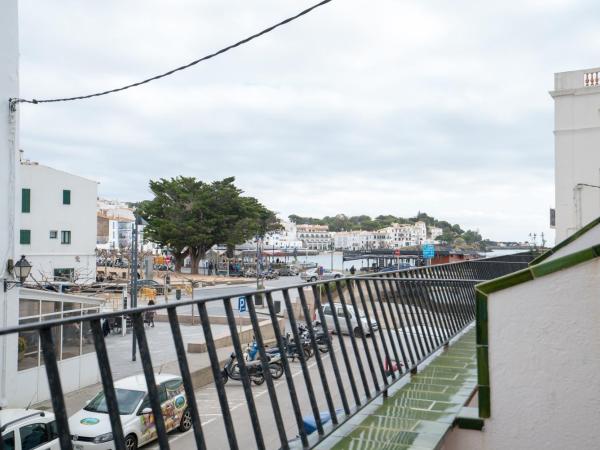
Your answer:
<point x="13" y="101"/>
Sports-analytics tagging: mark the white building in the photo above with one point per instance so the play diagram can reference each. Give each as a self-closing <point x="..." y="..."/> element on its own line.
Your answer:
<point x="314" y="237"/>
<point x="22" y="375"/>
<point x="283" y="239"/>
<point x="75" y="352"/>
<point x="115" y="221"/>
<point x="359" y="240"/>
<point x="57" y="230"/>
<point x="9" y="218"/>
<point x="577" y="159"/>
<point x="434" y="232"/>
<point x="405" y="235"/>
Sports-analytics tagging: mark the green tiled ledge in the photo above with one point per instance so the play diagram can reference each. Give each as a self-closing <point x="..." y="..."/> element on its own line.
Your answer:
<point x="565" y="242"/>
<point x="418" y="416"/>
<point x="483" y="290"/>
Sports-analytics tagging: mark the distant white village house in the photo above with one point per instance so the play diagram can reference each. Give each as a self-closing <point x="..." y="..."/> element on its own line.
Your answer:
<point x="115" y="228"/>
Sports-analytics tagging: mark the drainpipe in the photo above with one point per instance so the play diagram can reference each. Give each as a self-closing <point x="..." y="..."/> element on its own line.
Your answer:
<point x="578" y="203"/>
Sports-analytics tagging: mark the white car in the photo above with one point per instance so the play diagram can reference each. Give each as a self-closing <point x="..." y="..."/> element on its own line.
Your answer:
<point x="90" y="426"/>
<point x="357" y="320"/>
<point x="313" y="275"/>
<point x="25" y="429"/>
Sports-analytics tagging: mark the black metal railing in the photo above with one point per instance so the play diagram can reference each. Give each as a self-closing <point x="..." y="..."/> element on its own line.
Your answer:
<point x="385" y="325"/>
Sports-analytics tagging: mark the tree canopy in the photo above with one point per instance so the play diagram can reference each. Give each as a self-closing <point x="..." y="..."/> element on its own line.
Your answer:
<point x="189" y="216"/>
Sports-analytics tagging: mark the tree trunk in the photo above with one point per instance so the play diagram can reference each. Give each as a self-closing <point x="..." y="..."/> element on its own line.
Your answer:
<point x="179" y="262"/>
<point x="195" y="262"/>
<point x="179" y="259"/>
<point x="196" y="254"/>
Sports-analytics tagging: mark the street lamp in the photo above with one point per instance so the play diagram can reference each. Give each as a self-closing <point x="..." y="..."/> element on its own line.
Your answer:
<point x="20" y="270"/>
<point x="134" y="272"/>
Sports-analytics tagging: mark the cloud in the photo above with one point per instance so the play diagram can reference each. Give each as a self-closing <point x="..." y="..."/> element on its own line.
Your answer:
<point x="360" y="107"/>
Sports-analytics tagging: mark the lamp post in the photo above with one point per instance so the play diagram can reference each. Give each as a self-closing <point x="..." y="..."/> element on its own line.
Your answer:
<point x="20" y="270"/>
<point x="332" y="250"/>
<point x="134" y="272"/>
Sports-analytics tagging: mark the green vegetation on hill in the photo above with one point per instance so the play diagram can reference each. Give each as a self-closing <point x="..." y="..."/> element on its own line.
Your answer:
<point x="452" y="234"/>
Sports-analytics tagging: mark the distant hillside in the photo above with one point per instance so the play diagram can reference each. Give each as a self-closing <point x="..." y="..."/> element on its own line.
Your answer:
<point x="453" y="234"/>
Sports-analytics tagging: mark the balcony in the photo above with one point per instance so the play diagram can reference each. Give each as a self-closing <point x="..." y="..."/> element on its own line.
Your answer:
<point x="398" y="337"/>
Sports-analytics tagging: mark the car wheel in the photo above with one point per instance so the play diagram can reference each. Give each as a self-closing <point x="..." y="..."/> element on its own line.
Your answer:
<point x="337" y="276"/>
<point x="186" y="421"/>
<point x="313" y="279"/>
<point x="131" y="442"/>
<point x="357" y="332"/>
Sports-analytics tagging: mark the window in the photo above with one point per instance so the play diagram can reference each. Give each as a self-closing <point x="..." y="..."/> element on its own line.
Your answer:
<point x="65" y="237"/>
<point x="9" y="441"/>
<point x="64" y="274"/>
<point x="126" y="399"/>
<point x="53" y="234"/>
<point x="327" y="310"/>
<point x="25" y="237"/>
<point x="173" y="388"/>
<point x="35" y="434"/>
<point x="25" y="200"/>
<point x="66" y="196"/>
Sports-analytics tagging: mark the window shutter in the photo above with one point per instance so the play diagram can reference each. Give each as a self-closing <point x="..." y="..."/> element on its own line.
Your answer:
<point x="66" y="197"/>
<point x="25" y="237"/>
<point x="25" y="200"/>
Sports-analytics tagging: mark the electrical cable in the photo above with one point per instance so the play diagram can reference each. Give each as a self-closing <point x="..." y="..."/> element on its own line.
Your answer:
<point x="14" y="101"/>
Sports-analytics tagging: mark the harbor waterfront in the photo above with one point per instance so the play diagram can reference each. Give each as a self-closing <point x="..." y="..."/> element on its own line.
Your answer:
<point x="325" y="259"/>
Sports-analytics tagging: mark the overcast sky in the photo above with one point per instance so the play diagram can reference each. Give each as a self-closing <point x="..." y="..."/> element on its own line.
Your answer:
<point x="361" y="107"/>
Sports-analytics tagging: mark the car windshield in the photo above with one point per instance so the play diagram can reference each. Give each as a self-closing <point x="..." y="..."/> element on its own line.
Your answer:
<point x="126" y="399"/>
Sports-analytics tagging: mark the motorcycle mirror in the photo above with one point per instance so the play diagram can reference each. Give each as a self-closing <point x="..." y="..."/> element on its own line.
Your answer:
<point x="146" y="411"/>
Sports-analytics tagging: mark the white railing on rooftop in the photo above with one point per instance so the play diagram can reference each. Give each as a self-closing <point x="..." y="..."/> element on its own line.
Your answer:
<point x="591" y="79"/>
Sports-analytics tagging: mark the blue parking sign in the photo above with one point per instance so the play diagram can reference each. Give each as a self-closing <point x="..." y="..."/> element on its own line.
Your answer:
<point x="242" y="304"/>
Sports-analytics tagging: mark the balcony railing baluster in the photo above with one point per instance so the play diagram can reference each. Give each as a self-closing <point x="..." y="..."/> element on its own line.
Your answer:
<point x="320" y="367"/>
<point x="186" y="377"/>
<point x="159" y="421"/>
<point x="334" y="363"/>
<point x="107" y="384"/>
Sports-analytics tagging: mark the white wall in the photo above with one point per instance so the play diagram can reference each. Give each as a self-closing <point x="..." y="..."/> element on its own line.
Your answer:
<point x="577" y="159"/>
<point x="49" y="213"/>
<point x="9" y="88"/>
<point x="587" y="240"/>
<point x="544" y="356"/>
<point x="75" y="374"/>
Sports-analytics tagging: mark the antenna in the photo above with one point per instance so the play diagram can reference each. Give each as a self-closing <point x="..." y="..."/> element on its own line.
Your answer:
<point x="30" y="402"/>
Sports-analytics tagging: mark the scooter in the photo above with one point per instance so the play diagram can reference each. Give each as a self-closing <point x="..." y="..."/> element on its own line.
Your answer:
<point x="232" y="370"/>
<point x="275" y="364"/>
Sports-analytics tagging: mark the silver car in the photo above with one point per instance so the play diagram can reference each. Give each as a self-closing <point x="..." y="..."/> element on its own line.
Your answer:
<point x="313" y="275"/>
<point x="358" y="320"/>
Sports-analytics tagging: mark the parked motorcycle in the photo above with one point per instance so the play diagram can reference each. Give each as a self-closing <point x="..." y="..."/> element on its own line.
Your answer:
<point x="320" y="335"/>
<point x="275" y="364"/>
<point x="232" y="370"/>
